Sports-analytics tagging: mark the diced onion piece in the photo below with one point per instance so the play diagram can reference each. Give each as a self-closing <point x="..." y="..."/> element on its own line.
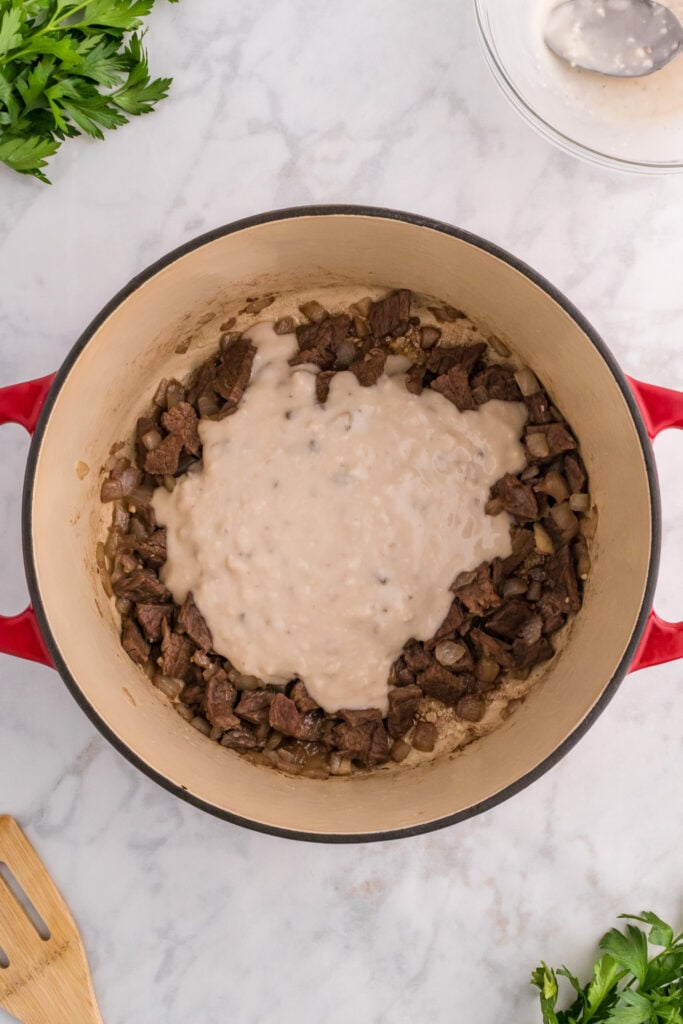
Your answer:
<point x="514" y="586"/>
<point x="579" y="502"/>
<point x="555" y="485"/>
<point x="201" y="725"/>
<point x="448" y="653"/>
<point x="543" y="540"/>
<point x="100" y="557"/>
<point x="111" y="490"/>
<point x="564" y="519"/>
<point x="399" y="751"/>
<point x="340" y="765"/>
<point x="314" y="311"/>
<point x="487" y="670"/>
<point x="527" y="382"/>
<point x="537" y="445"/>
<point x="499" y="346"/>
<point x="151" y="439"/>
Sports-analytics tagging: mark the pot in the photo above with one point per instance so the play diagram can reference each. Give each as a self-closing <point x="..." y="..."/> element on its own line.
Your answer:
<point x="142" y="334"/>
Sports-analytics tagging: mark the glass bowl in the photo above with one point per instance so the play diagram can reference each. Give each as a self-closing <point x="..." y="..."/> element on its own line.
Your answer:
<point x="631" y="124"/>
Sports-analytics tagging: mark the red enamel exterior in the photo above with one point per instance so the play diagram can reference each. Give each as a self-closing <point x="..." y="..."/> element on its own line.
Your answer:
<point x="21" y="403"/>
<point x="662" y="409"/>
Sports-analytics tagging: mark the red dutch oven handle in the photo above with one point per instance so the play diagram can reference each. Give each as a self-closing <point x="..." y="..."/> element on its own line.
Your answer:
<point x="662" y="409"/>
<point x="19" y="634"/>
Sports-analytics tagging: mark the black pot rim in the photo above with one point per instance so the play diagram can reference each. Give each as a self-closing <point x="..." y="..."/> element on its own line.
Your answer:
<point x="350" y="211"/>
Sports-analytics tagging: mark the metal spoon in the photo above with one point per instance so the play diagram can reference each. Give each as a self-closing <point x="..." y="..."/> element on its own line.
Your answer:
<point x="622" y="38"/>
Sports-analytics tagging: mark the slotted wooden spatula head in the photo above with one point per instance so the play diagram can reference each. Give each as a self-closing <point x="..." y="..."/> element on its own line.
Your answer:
<point x="45" y="979"/>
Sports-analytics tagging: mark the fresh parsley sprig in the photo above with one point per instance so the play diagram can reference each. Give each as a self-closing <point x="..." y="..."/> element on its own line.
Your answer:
<point x="68" y="68"/>
<point x="631" y="984"/>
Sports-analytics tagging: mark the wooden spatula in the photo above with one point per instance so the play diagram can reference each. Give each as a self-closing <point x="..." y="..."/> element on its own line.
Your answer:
<point x="47" y="980"/>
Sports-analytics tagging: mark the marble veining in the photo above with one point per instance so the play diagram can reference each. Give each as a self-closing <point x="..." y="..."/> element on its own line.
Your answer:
<point x="278" y="103"/>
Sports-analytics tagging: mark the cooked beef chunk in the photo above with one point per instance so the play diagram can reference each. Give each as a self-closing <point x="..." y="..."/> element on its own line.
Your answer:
<point x="390" y="314"/>
<point x="416" y="657"/>
<point x="440" y="683"/>
<point x="219" y="702"/>
<point x="575" y="472"/>
<point x="488" y="646"/>
<point x="134" y="644"/>
<point x="475" y="590"/>
<point x="495" y="382"/>
<point x="254" y="705"/>
<point x="403" y="703"/>
<point x="450" y="625"/>
<point x="507" y="620"/>
<point x="454" y="386"/>
<point x="176" y="652"/>
<point x="415" y="379"/>
<point x="151" y="617"/>
<point x="552" y="608"/>
<point x="322" y="385"/>
<point x="522" y="545"/>
<point x="516" y="497"/>
<point x="556" y="434"/>
<point x="562" y="573"/>
<point x="242" y="739"/>
<point x="234" y="370"/>
<point x="163" y="461"/>
<point x="192" y="621"/>
<point x="538" y="405"/>
<point x="367" y="743"/>
<point x="471" y="708"/>
<point x="141" y="585"/>
<point x="301" y="697"/>
<point x="360" y="716"/>
<point x="370" y="367"/>
<point x="326" y="335"/>
<point x="528" y="655"/>
<point x="285" y="717"/>
<point x="202" y="382"/>
<point x="153" y="550"/>
<point x="182" y="422"/>
<point x="441" y="360"/>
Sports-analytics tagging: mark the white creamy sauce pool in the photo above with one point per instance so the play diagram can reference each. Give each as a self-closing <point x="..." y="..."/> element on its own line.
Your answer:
<point x="317" y="539"/>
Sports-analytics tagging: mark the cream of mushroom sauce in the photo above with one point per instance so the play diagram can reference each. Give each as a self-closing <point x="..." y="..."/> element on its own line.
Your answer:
<point x="317" y="539"/>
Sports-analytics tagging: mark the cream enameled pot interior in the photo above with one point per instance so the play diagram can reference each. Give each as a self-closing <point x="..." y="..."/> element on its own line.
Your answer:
<point x="115" y="376"/>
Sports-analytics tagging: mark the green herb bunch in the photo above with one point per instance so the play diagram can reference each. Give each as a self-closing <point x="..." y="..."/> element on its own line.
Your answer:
<point x="68" y="67"/>
<point x="631" y="983"/>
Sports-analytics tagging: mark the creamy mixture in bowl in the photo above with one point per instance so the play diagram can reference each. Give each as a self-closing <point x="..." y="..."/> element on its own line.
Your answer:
<point x="349" y="537"/>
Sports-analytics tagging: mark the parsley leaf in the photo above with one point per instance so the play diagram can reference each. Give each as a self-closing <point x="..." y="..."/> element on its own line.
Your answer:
<point x="70" y="67"/>
<point x="630" y="983"/>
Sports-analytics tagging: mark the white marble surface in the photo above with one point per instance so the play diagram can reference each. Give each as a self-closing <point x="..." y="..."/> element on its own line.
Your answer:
<point x="186" y="918"/>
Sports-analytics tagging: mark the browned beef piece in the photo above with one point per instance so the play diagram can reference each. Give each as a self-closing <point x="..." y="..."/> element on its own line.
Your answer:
<point x="446" y="686"/>
<point x="415" y="379"/>
<point x="389" y="314"/>
<point x="322" y="385"/>
<point x="562" y="573"/>
<point x="475" y="590"/>
<point x="242" y="739"/>
<point x="450" y="625"/>
<point x="454" y="386"/>
<point x="496" y="382"/>
<point x="141" y="585"/>
<point x="134" y="644"/>
<point x="192" y="621"/>
<point x="367" y="743"/>
<point x="153" y="550"/>
<point x="176" y="652"/>
<point x="326" y="336"/>
<point x="234" y="370"/>
<point x="316" y="356"/>
<point x="285" y="717"/>
<point x="516" y="497"/>
<point x="163" y="461"/>
<point x="507" y="620"/>
<point x="416" y="657"/>
<point x="557" y="435"/>
<point x="488" y="646"/>
<point x="219" y="702"/>
<point x="403" y="704"/>
<point x="203" y="381"/>
<point x="370" y="367"/>
<point x="539" y="407"/>
<point x="301" y="697"/>
<point x="327" y="728"/>
<point x="151" y="617"/>
<point x="145" y="515"/>
<point x="528" y="655"/>
<point x="441" y="360"/>
<point x="552" y="608"/>
<point x="523" y="544"/>
<point x="575" y="472"/>
<point x="182" y="422"/>
<point x="360" y="716"/>
<point x="254" y="705"/>
<point x="471" y="708"/>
